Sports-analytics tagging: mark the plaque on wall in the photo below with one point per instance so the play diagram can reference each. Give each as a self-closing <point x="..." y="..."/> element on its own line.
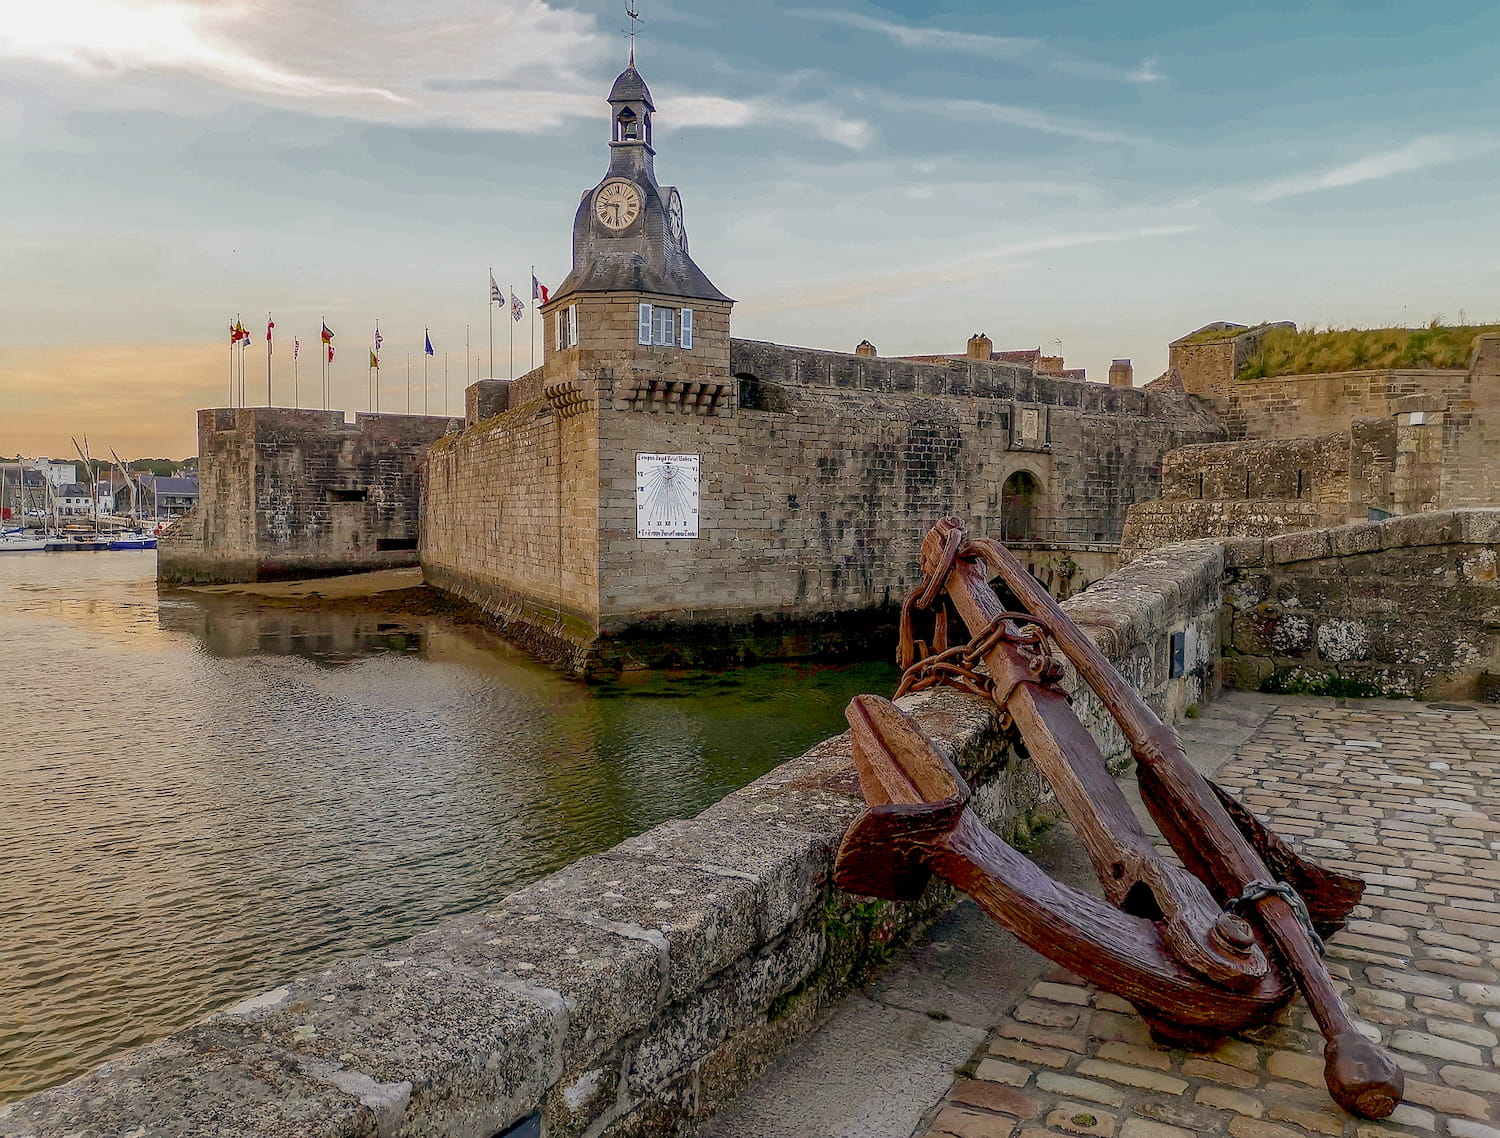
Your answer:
<point x="666" y="495"/>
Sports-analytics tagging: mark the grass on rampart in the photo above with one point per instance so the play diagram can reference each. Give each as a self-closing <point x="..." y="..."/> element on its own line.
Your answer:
<point x="1312" y="351"/>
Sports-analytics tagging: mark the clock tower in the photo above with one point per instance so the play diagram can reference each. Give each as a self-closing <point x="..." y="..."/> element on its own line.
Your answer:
<point x="635" y="305"/>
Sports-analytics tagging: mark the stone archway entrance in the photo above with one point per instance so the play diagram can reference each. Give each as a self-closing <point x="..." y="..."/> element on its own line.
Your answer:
<point x="1020" y="499"/>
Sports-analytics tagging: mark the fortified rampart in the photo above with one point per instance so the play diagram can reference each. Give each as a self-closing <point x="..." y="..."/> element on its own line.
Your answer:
<point x="818" y="472"/>
<point x="637" y="991"/>
<point x="290" y="493"/>
<point x="1395" y="442"/>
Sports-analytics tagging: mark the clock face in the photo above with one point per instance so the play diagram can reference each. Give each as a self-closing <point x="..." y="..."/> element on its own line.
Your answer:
<point x="674" y="220"/>
<point x="617" y="204"/>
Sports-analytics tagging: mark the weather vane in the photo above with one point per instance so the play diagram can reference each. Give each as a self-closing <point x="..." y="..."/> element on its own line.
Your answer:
<point x="632" y="9"/>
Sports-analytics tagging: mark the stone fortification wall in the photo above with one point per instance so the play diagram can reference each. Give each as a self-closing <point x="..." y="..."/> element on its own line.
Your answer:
<point x="636" y="991"/>
<point x="288" y="493"/>
<point x="1294" y="405"/>
<point x="1251" y="488"/>
<point x="509" y="519"/>
<point x="1406" y="606"/>
<point x="816" y="489"/>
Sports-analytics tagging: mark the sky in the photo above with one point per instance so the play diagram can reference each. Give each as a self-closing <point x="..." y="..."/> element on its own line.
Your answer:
<point x="1094" y="179"/>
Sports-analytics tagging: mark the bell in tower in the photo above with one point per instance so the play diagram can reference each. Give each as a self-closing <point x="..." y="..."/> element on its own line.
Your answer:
<point x="630" y="140"/>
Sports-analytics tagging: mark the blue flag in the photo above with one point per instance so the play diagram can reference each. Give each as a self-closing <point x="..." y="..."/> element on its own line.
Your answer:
<point x="428" y="334"/>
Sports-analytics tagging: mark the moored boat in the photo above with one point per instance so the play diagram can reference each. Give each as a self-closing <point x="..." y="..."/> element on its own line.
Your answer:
<point x="18" y="541"/>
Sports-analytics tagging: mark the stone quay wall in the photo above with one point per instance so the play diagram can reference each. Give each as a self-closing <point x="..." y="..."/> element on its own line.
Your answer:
<point x="1407" y="606"/>
<point x="636" y="991"/>
<point x="288" y="493"/>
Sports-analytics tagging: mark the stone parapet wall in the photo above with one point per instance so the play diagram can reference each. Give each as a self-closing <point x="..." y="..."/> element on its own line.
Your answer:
<point x="636" y="991"/>
<point x="1407" y="606"/>
<point x="289" y="493"/>
<point x="1153" y="524"/>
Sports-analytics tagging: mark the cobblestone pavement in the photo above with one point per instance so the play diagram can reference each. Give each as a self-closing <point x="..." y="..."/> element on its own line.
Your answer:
<point x="1408" y="796"/>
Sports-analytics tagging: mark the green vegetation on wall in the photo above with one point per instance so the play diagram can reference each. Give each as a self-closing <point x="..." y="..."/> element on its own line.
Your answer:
<point x="1309" y="351"/>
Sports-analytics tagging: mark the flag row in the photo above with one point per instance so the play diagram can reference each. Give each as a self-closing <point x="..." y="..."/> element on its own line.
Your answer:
<point x="240" y="335"/>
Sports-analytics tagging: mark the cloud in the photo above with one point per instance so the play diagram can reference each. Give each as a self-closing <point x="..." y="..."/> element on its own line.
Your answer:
<point x="928" y="39"/>
<point x="985" y="46"/>
<point x="515" y="66"/>
<point x="1149" y="71"/>
<point x="1419" y="154"/>
<point x="99" y="38"/>
<point x="821" y="119"/>
<point x="853" y="291"/>
<point x="1027" y="118"/>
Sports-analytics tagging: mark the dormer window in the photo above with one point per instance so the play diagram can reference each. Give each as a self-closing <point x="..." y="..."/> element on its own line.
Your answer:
<point x="627" y="126"/>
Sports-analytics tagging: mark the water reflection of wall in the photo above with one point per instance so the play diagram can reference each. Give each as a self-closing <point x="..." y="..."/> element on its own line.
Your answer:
<point x="231" y="627"/>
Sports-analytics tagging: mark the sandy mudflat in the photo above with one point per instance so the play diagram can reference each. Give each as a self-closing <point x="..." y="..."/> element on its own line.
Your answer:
<point x="326" y="588"/>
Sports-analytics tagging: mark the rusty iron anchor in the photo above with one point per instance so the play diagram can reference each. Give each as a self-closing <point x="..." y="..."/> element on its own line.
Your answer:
<point x="1201" y="952"/>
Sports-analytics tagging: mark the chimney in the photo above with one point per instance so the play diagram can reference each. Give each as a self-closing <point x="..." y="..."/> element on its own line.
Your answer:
<point x="1121" y="374"/>
<point x="865" y="348"/>
<point x="980" y="347"/>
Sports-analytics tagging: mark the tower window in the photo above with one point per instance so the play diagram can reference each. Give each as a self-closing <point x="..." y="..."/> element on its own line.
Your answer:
<point x="567" y="326"/>
<point x="627" y="128"/>
<point x="660" y="326"/>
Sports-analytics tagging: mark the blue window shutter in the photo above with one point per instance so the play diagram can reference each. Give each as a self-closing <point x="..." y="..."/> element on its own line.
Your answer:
<point x="687" y="327"/>
<point x="645" y="327"/>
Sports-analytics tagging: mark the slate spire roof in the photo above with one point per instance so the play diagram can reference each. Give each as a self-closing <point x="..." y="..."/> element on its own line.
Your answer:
<point x="631" y="88"/>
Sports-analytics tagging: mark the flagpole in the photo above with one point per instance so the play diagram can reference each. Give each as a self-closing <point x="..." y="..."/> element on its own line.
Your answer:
<point x="492" y="321"/>
<point x="512" y="323"/>
<point x="231" y="367"/>
<point x="296" y="389"/>
<point x="269" y="326"/>
<point x="445" y="385"/>
<point x="428" y="335"/>
<point x="467" y="352"/>
<point x="408" y="383"/>
<point x="239" y="391"/>
<point x="533" y="317"/>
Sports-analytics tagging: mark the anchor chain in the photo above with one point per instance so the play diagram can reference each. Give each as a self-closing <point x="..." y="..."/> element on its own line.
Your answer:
<point x="1259" y="890"/>
<point x="925" y="666"/>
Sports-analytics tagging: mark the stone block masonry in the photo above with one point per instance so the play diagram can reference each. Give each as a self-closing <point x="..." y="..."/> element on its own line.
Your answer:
<point x="290" y="493"/>
<point x="820" y="471"/>
<point x="1408" y="606"/>
<point x="632" y="993"/>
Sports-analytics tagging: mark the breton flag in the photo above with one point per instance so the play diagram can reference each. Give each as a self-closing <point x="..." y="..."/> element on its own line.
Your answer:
<point x="374" y="360"/>
<point x="296" y="347"/>
<point x="496" y="296"/>
<point x="428" y="335"/>
<point x="327" y="334"/>
<point x="379" y="339"/>
<point x="517" y="309"/>
<point x="538" y="289"/>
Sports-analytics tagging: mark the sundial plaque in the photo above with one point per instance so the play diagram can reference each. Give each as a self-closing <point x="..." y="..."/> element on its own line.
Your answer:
<point x="666" y="495"/>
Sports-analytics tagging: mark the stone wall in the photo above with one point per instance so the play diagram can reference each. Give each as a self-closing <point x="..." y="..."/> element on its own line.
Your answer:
<point x="510" y="521"/>
<point x="820" y="471"/>
<point x="1407" y="606"/>
<point x="636" y="991"/>
<point x="287" y="493"/>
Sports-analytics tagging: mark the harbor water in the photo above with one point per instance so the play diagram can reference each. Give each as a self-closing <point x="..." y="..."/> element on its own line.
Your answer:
<point x="205" y="795"/>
